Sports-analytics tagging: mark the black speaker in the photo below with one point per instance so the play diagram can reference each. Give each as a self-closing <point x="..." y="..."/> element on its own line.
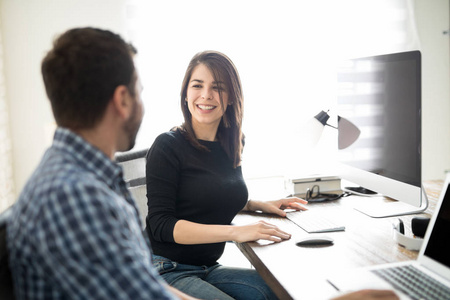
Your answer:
<point x="419" y="226"/>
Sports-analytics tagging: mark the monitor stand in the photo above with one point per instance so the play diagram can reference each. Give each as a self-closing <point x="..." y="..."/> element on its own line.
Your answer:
<point x="392" y="209"/>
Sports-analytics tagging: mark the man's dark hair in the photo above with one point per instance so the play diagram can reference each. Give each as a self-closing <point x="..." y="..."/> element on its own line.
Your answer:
<point x="81" y="73"/>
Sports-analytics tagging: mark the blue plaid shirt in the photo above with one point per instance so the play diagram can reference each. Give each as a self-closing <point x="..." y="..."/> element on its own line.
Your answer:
<point x="75" y="231"/>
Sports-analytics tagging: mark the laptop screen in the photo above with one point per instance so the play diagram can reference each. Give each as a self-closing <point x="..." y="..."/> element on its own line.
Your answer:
<point x="438" y="246"/>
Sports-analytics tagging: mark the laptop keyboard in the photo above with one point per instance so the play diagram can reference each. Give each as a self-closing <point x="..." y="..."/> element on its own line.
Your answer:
<point x="414" y="283"/>
<point x="315" y="222"/>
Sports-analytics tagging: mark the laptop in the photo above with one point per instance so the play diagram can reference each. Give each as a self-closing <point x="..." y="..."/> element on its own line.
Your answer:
<point x="428" y="276"/>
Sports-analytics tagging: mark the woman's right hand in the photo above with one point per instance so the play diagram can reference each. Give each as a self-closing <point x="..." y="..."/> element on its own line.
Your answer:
<point x="260" y="230"/>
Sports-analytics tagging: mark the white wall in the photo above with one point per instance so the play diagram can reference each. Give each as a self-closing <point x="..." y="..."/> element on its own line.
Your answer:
<point x="28" y="26"/>
<point x="432" y="19"/>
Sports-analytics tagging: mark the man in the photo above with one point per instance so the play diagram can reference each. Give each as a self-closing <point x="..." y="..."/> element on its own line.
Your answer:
<point x="75" y="231"/>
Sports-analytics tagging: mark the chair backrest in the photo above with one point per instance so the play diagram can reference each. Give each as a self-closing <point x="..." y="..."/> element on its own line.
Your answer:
<point x="133" y="164"/>
<point x="6" y="285"/>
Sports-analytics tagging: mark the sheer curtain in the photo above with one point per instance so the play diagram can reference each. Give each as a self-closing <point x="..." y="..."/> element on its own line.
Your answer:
<point x="6" y="176"/>
<point x="285" y="53"/>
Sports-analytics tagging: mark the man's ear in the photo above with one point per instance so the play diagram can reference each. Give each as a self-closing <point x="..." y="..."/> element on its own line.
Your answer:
<point x="122" y="101"/>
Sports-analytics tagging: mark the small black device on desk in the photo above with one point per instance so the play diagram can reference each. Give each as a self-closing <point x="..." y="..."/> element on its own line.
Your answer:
<point x="315" y="240"/>
<point x="419" y="226"/>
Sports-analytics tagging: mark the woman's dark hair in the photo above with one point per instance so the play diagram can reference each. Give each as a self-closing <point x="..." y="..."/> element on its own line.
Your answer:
<point x="229" y="132"/>
<point x="81" y="73"/>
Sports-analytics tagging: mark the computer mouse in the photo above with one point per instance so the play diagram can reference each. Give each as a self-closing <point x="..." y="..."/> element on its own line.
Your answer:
<point x="315" y="240"/>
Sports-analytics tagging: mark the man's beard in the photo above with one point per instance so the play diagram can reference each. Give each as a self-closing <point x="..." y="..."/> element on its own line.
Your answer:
<point x="131" y="127"/>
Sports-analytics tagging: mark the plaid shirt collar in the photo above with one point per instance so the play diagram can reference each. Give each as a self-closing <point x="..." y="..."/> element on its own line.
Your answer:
<point x="87" y="155"/>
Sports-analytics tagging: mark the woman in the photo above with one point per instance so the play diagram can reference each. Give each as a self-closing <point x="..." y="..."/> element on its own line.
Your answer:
<point x="195" y="188"/>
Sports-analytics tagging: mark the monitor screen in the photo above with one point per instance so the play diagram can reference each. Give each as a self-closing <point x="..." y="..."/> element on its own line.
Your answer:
<point x="381" y="96"/>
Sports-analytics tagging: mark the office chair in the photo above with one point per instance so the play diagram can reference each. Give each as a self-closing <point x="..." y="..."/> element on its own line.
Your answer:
<point x="133" y="164"/>
<point x="6" y="283"/>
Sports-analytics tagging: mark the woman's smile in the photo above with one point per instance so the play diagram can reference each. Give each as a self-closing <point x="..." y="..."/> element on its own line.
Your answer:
<point x="206" y="108"/>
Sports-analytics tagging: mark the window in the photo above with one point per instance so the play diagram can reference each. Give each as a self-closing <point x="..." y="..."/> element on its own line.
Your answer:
<point x="285" y="53"/>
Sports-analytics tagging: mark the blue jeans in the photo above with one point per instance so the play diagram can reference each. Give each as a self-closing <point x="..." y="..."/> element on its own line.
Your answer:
<point x="215" y="282"/>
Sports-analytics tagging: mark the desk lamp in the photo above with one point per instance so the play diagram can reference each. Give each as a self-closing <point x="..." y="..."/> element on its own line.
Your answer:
<point x="348" y="133"/>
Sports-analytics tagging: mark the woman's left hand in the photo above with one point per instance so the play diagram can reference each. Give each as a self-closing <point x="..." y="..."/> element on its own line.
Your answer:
<point x="278" y="206"/>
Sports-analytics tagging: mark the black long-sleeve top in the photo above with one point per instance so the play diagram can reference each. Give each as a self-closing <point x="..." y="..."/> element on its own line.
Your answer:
<point x="185" y="183"/>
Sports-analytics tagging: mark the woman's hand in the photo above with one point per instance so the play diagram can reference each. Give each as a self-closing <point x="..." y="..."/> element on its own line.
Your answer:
<point x="190" y="233"/>
<point x="260" y="230"/>
<point x="277" y="206"/>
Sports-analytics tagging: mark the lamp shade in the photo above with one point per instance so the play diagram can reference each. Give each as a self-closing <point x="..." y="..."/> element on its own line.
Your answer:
<point x="314" y="127"/>
<point x="348" y="133"/>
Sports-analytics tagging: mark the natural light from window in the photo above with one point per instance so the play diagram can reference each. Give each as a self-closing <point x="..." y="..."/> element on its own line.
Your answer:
<point x="285" y="52"/>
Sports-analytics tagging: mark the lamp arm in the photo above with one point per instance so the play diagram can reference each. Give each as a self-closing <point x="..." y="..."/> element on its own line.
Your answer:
<point x="331" y="126"/>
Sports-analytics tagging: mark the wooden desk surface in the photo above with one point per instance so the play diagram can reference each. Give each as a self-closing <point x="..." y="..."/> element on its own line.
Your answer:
<point x="296" y="272"/>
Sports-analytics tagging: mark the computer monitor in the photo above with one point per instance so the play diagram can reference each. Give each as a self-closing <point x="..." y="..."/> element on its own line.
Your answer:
<point x="381" y="96"/>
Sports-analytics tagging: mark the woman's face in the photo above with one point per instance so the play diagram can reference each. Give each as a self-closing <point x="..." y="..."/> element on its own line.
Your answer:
<point x="203" y="98"/>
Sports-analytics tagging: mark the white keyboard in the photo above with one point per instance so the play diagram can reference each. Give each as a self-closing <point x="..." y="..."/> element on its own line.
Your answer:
<point x="313" y="222"/>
